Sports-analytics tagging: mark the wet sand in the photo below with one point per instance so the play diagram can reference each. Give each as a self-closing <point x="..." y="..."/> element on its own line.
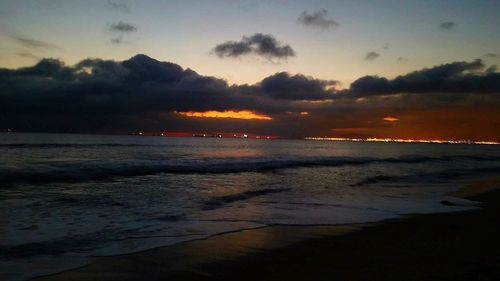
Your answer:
<point x="450" y="246"/>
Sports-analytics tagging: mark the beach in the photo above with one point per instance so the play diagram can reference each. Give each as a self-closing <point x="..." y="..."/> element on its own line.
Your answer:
<point x="249" y="140"/>
<point x="445" y="246"/>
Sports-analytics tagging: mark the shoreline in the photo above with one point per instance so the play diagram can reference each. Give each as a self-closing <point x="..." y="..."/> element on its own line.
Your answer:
<point x="299" y="252"/>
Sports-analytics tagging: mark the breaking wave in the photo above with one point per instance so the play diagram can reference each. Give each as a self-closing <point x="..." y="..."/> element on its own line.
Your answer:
<point x="436" y="177"/>
<point x="84" y="170"/>
<point x="217" y="202"/>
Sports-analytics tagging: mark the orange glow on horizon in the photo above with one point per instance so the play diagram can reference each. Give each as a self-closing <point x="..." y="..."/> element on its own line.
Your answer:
<point x="240" y="114"/>
<point x="304" y="113"/>
<point x="390" y="119"/>
<point x="350" y="130"/>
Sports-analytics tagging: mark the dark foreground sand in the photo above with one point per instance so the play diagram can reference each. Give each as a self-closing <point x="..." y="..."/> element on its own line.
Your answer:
<point x="453" y="246"/>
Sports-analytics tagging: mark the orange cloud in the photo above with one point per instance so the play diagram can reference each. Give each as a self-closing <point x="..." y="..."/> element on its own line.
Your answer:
<point x="240" y="114"/>
<point x="304" y="113"/>
<point x="390" y="119"/>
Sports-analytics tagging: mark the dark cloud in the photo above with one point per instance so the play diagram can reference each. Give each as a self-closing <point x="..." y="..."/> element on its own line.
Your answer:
<point x="119" y="40"/>
<point x="402" y="59"/>
<point x="35" y="44"/>
<point x="457" y="77"/>
<point x="264" y="45"/>
<point x="491" y="55"/>
<point x="317" y="19"/>
<point x="370" y="56"/>
<point x="142" y="93"/>
<point x="119" y="6"/>
<point x="122" y="93"/>
<point x="122" y="27"/>
<point x="447" y="25"/>
<point x="233" y="49"/>
<point x="297" y="87"/>
<point x="28" y="55"/>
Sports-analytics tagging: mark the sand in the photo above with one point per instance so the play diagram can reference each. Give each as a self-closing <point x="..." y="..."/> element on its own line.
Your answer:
<point x="450" y="246"/>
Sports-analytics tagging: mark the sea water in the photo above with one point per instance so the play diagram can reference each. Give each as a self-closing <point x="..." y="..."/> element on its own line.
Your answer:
<point x="66" y="198"/>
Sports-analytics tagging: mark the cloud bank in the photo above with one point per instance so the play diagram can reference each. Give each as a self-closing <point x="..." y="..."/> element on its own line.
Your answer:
<point x="456" y="101"/>
<point x="456" y="78"/>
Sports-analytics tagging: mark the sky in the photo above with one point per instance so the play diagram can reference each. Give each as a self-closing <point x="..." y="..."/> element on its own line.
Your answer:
<point x="409" y="69"/>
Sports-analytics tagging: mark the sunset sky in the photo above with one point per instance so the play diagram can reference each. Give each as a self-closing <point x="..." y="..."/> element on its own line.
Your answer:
<point x="400" y="69"/>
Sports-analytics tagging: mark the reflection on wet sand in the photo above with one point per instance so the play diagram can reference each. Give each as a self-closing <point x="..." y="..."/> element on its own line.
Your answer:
<point x="190" y="257"/>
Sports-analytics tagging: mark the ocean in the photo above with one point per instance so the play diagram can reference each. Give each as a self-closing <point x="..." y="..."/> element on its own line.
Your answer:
<point x="67" y="198"/>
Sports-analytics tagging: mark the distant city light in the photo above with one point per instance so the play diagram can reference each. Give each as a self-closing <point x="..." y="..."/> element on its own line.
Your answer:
<point x="399" y="140"/>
